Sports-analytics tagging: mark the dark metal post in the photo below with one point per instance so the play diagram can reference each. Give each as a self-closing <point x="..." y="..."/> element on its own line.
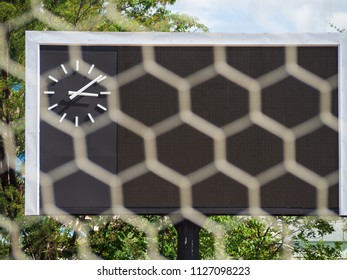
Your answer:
<point x="188" y="240"/>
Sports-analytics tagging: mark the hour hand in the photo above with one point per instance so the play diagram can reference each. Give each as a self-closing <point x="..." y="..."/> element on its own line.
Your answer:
<point x="90" y="94"/>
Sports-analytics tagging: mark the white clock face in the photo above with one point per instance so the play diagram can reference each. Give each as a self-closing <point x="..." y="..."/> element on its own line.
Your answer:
<point x="75" y="95"/>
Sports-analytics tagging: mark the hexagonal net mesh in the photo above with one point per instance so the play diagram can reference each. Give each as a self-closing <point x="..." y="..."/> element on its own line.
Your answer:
<point x="189" y="131"/>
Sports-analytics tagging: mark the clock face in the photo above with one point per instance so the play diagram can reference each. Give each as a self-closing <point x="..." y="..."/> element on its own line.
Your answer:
<point x="75" y="88"/>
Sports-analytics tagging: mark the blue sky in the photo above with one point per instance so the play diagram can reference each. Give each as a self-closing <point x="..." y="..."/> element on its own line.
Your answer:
<point x="252" y="16"/>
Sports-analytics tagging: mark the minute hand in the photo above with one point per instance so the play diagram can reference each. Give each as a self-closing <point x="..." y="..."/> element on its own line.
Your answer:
<point x="85" y="87"/>
<point x="90" y="94"/>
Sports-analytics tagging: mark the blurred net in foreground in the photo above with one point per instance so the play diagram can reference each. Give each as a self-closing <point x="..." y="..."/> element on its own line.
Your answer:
<point x="224" y="130"/>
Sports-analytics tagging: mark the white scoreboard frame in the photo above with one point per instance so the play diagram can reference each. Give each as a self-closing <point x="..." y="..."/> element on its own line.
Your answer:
<point x="36" y="38"/>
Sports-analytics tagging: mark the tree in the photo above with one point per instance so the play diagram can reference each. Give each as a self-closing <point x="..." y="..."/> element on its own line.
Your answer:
<point x="47" y="239"/>
<point x="11" y="134"/>
<point x="267" y="238"/>
<point x="248" y="238"/>
<point x="159" y="18"/>
<point x="305" y="230"/>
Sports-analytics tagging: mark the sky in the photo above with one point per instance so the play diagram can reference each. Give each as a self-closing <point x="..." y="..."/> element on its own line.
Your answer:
<point x="269" y="16"/>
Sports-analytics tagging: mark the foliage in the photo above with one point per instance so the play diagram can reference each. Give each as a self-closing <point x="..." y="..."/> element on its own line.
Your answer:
<point x="167" y="239"/>
<point x="7" y="11"/>
<point x="124" y="242"/>
<point x="46" y="239"/>
<point x="319" y="250"/>
<point x="246" y="238"/>
<point x="309" y="229"/>
<point x="269" y="238"/>
<point x="75" y="11"/>
<point x="5" y="245"/>
<point x="12" y="207"/>
<point x="12" y="203"/>
<point x="158" y="18"/>
<point x="249" y="238"/>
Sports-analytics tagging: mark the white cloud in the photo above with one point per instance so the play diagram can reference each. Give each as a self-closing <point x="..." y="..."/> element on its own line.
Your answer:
<point x="267" y="15"/>
<point x="294" y="15"/>
<point x="306" y="18"/>
<point x="216" y="14"/>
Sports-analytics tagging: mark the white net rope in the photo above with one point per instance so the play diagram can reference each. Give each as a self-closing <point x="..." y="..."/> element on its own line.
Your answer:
<point x="150" y="134"/>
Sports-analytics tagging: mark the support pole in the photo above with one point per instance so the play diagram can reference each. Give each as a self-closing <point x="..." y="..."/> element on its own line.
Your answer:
<point x="188" y="240"/>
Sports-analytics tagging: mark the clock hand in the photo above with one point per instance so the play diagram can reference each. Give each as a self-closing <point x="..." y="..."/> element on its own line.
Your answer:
<point x="85" y="87"/>
<point x="90" y="94"/>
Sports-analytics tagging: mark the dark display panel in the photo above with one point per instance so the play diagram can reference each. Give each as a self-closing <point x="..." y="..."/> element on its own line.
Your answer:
<point x="185" y="149"/>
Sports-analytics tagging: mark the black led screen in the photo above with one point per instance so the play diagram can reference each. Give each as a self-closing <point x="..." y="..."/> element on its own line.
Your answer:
<point x="289" y="101"/>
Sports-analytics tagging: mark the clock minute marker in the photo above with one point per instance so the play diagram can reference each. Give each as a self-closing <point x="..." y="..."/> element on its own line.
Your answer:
<point x="53" y="79"/>
<point x="91" y="118"/>
<point x="101" y="107"/>
<point x="91" y="69"/>
<point x="53" y="106"/>
<point x="63" y="67"/>
<point x="62" y="117"/>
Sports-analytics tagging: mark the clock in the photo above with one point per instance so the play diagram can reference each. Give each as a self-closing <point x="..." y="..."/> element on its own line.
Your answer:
<point x="74" y="90"/>
<point x="73" y="82"/>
